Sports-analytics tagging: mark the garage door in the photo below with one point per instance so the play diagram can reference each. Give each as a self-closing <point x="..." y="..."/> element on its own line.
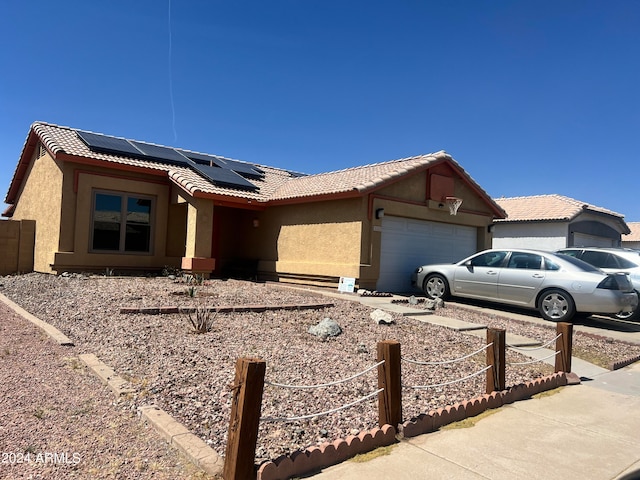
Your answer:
<point x="584" y="240"/>
<point x="408" y="243"/>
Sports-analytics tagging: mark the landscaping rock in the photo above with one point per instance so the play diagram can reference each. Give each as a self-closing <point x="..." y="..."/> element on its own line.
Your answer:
<point x="326" y="328"/>
<point x="381" y="317"/>
<point x="434" y="304"/>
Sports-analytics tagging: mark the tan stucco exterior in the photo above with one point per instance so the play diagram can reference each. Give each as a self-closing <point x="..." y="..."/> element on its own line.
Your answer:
<point x="17" y="239"/>
<point x="80" y="184"/>
<point x="40" y="200"/>
<point x="318" y="238"/>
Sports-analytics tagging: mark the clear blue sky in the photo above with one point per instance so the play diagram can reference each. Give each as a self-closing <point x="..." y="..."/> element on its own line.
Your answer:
<point x="530" y="97"/>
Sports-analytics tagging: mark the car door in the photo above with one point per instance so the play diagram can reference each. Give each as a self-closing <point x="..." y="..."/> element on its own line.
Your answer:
<point x="478" y="277"/>
<point x="520" y="279"/>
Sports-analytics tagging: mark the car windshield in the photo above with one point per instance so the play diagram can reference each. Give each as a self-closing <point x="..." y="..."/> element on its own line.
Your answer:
<point x="582" y="265"/>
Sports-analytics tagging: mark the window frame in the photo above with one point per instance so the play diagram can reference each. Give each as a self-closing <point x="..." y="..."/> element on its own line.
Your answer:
<point x="124" y="198"/>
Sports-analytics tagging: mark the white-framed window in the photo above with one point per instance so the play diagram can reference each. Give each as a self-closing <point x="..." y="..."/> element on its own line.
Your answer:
<point x="121" y="222"/>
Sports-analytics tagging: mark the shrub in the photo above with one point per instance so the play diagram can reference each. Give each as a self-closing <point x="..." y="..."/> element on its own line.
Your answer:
<point x="202" y="319"/>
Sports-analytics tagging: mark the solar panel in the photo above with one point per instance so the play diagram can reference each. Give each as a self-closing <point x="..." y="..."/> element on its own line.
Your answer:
<point x="222" y="172"/>
<point x="245" y="169"/>
<point x="104" y="144"/>
<point x="203" y="159"/>
<point x="163" y="154"/>
<point x="224" y="177"/>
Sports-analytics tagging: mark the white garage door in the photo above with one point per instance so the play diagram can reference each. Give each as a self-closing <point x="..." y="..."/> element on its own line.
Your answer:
<point x="408" y="243"/>
<point x="584" y="240"/>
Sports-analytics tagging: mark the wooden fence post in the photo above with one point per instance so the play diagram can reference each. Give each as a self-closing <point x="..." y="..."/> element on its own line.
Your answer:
<point x="246" y="403"/>
<point x="389" y="378"/>
<point x="496" y="339"/>
<point x="564" y="345"/>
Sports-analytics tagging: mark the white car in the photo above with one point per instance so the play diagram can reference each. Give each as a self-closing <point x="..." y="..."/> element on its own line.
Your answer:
<point x="558" y="286"/>
<point x="612" y="260"/>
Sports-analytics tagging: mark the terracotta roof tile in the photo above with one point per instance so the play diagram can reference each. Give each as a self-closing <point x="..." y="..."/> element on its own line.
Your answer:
<point x="634" y="236"/>
<point x="64" y="139"/>
<point x="357" y="179"/>
<point x="277" y="184"/>
<point x="546" y="207"/>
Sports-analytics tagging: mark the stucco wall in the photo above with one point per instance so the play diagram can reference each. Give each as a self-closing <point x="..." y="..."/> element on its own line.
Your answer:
<point x="40" y="200"/>
<point x="80" y="182"/>
<point x="314" y="239"/>
<point x="16" y="244"/>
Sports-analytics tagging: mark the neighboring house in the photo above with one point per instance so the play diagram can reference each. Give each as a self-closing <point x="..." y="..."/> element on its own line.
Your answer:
<point x="632" y="240"/>
<point x="550" y="222"/>
<point x="102" y="202"/>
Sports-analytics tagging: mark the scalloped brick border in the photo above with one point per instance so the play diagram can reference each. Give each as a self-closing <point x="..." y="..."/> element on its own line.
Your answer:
<point x="432" y="421"/>
<point x="623" y="363"/>
<point x="327" y="454"/>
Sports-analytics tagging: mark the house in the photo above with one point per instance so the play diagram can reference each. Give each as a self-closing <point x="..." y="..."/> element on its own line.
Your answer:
<point x="632" y="239"/>
<point x="550" y="222"/>
<point x="101" y="202"/>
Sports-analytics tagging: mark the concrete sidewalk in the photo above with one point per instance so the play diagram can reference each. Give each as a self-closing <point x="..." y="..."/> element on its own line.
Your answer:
<point x="586" y="431"/>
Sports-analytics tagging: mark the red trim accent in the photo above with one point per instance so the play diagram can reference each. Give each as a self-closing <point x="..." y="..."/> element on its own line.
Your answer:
<point x="111" y="165"/>
<point x="23" y="165"/>
<point x="77" y="172"/>
<point x="319" y="198"/>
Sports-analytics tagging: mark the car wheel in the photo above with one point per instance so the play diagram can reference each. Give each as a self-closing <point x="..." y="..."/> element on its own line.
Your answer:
<point x="630" y="316"/>
<point x="436" y="286"/>
<point x="556" y="305"/>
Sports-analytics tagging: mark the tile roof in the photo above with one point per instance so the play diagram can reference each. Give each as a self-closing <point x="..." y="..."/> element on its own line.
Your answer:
<point x="546" y="208"/>
<point x="64" y="139"/>
<point x="278" y="185"/>
<point x="634" y="236"/>
<point x="356" y="179"/>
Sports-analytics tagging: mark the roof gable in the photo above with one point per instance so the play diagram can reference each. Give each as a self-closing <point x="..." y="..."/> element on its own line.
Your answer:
<point x="547" y="208"/>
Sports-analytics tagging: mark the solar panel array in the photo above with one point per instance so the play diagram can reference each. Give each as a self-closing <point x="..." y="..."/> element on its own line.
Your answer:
<point x="221" y="172"/>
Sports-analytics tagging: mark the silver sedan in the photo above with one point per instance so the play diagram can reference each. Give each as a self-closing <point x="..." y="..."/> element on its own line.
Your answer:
<point x="556" y="285"/>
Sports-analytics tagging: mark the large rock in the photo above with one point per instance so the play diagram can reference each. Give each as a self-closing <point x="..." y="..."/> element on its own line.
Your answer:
<point x="326" y="328"/>
<point x="381" y="317"/>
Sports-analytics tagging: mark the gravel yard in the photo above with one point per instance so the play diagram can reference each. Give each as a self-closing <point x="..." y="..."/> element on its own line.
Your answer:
<point x="188" y="375"/>
<point x="57" y="421"/>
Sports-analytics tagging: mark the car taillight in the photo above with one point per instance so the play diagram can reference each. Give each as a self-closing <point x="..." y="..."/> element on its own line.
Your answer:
<point x="618" y="281"/>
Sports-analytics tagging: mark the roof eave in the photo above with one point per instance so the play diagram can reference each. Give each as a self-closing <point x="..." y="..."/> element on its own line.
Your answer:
<point x="23" y="165"/>
<point x="353" y="193"/>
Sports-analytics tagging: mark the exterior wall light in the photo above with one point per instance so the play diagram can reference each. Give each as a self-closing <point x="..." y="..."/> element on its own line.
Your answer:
<point x="256" y="223"/>
<point x="379" y="213"/>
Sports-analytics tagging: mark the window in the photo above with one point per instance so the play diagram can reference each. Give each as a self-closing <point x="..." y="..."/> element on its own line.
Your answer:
<point x="529" y="261"/>
<point x="624" y="263"/>
<point x="488" y="259"/>
<point x="121" y="223"/>
<point x="600" y="259"/>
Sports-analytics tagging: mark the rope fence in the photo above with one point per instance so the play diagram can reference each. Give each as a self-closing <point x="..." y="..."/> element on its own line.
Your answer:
<point x="534" y="361"/>
<point x="249" y="383"/>
<point x="529" y="349"/>
<point x="321" y="414"/>
<point x="329" y="384"/>
<point x="424" y="387"/>
<point x="446" y="362"/>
